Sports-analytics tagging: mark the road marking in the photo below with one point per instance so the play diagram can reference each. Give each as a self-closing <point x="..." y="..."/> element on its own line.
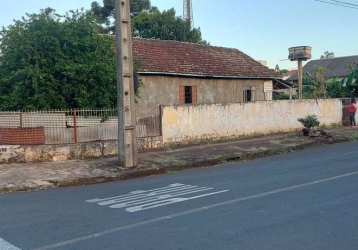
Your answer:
<point x="147" y="199"/>
<point x="192" y="211"/>
<point x="167" y="202"/>
<point x="4" y="245"/>
<point x="138" y="192"/>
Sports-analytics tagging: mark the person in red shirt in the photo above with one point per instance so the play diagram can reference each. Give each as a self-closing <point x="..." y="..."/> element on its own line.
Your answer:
<point x="352" y="109"/>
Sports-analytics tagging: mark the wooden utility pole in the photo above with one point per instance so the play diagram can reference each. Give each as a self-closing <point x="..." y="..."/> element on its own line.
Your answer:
<point x="127" y="137"/>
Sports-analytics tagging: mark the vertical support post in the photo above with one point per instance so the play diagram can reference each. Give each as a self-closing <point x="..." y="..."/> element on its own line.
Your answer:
<point x="161" y="120"/>
<point x="127" y="137"/>
<point x="121" y="154"/>
<point x="75" y="125"/>
<point x="299" y="79"/>
<point x="20" y="119"/>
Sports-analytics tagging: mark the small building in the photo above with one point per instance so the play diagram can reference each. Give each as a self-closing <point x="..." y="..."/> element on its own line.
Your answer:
<point x="335" y="67"/>
<point x="289" y="73"/>
<point x="175" y="72"/>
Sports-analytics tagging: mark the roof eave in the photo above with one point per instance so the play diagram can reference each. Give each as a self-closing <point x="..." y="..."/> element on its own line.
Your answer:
<point x="206" y="76"/>
<point x="326" y="77"/>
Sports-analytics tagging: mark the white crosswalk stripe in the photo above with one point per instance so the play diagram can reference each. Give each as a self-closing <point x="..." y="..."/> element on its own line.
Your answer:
<point x="146" y="199"/>
<point x="4" y="245"/>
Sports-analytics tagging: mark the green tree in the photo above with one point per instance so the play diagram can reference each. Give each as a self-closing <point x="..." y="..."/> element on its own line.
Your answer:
<point x="48" y="61"/>
<point x="280" y="96"/>
<point x="320" y="71"/>
<point x="327" y="55"/>
<point x="355" y="71"/>
<point x="315" y="86"/>
<point x="148" y="22"/>
<point x="165" y="26"/>
<point x="105" y="13"/>
<point x="351" y="82"/>
<point x="319" y="87"/>
<point x="338" y="88"/>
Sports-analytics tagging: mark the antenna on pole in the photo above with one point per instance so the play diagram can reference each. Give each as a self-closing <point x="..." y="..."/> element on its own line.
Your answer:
<point x="188" y="11"/>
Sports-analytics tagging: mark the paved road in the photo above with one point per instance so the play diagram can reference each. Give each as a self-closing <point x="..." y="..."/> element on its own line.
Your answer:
<point x="303" y="200"/>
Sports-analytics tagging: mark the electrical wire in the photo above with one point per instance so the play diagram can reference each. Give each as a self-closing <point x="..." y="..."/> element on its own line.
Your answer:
<point x="342" y="5"/>
<point x="356" y="5"/>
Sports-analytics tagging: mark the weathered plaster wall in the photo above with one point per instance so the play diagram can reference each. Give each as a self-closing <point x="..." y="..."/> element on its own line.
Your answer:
<point x="189" y="123"/>
<point x="149" y="143"/>
<point x="195" y="122"/>
<point x="164" y="90"/>
<point x="51" y="153"/>
<point x="48" y="153"/>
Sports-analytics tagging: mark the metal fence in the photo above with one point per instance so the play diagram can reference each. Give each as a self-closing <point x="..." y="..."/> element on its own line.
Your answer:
<point x="69" y="126"/>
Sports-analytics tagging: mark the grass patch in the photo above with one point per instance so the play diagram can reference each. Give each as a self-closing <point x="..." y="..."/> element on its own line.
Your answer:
<point x="15" y="189"/>
<point x="275" y="142"/>
<point x="255" y="149"/>
<point x="351" y="136"/>
<point x="280" y="151"/>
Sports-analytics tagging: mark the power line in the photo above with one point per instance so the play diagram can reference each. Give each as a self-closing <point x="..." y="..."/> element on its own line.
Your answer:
<point x="356" y="5"/>
<point x="342" y="5"/>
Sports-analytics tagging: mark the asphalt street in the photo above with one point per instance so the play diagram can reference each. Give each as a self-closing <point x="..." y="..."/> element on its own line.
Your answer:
<point x="301" y="200"/>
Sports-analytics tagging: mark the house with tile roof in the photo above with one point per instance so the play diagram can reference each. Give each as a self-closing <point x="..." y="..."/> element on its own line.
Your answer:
<point x="335" y="67"/>
<point x="175" y="72"/>
<point x="289" y="74"/>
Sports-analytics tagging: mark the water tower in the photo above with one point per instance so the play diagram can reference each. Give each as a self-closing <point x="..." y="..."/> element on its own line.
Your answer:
<point x="299" y="54"/>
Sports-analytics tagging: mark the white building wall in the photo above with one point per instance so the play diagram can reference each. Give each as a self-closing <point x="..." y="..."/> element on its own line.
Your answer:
<point x="192" y="122"/>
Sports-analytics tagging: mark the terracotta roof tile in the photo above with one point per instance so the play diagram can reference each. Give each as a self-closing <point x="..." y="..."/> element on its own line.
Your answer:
<point x="159" y="56"/>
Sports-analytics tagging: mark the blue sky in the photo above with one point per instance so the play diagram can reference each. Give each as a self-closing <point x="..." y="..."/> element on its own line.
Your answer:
<point x="263" y="29"/>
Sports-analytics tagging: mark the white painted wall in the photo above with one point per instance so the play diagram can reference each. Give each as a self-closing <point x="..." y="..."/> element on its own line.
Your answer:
<point x="191" y="122"/>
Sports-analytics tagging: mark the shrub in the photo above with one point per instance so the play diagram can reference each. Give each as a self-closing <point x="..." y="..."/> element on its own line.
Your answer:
<point x="280" y="96"/>
<point x="310" y="121"/>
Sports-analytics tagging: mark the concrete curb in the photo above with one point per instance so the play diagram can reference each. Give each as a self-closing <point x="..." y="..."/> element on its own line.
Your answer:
<point x="139" y="173"/>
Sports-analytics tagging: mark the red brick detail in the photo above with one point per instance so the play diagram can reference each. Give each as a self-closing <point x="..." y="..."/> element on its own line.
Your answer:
<point x="22" y="136"/>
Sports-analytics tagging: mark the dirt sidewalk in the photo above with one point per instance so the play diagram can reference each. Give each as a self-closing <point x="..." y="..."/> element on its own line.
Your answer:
<point x="36" y="176"/>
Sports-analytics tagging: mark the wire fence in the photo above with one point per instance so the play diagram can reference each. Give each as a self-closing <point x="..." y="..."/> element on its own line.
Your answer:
<point x="69" y="126"/>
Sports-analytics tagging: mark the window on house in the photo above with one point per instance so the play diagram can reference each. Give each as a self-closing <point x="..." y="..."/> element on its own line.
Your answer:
<point x="249" y="93"/>
<point x="187" y="94"/>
